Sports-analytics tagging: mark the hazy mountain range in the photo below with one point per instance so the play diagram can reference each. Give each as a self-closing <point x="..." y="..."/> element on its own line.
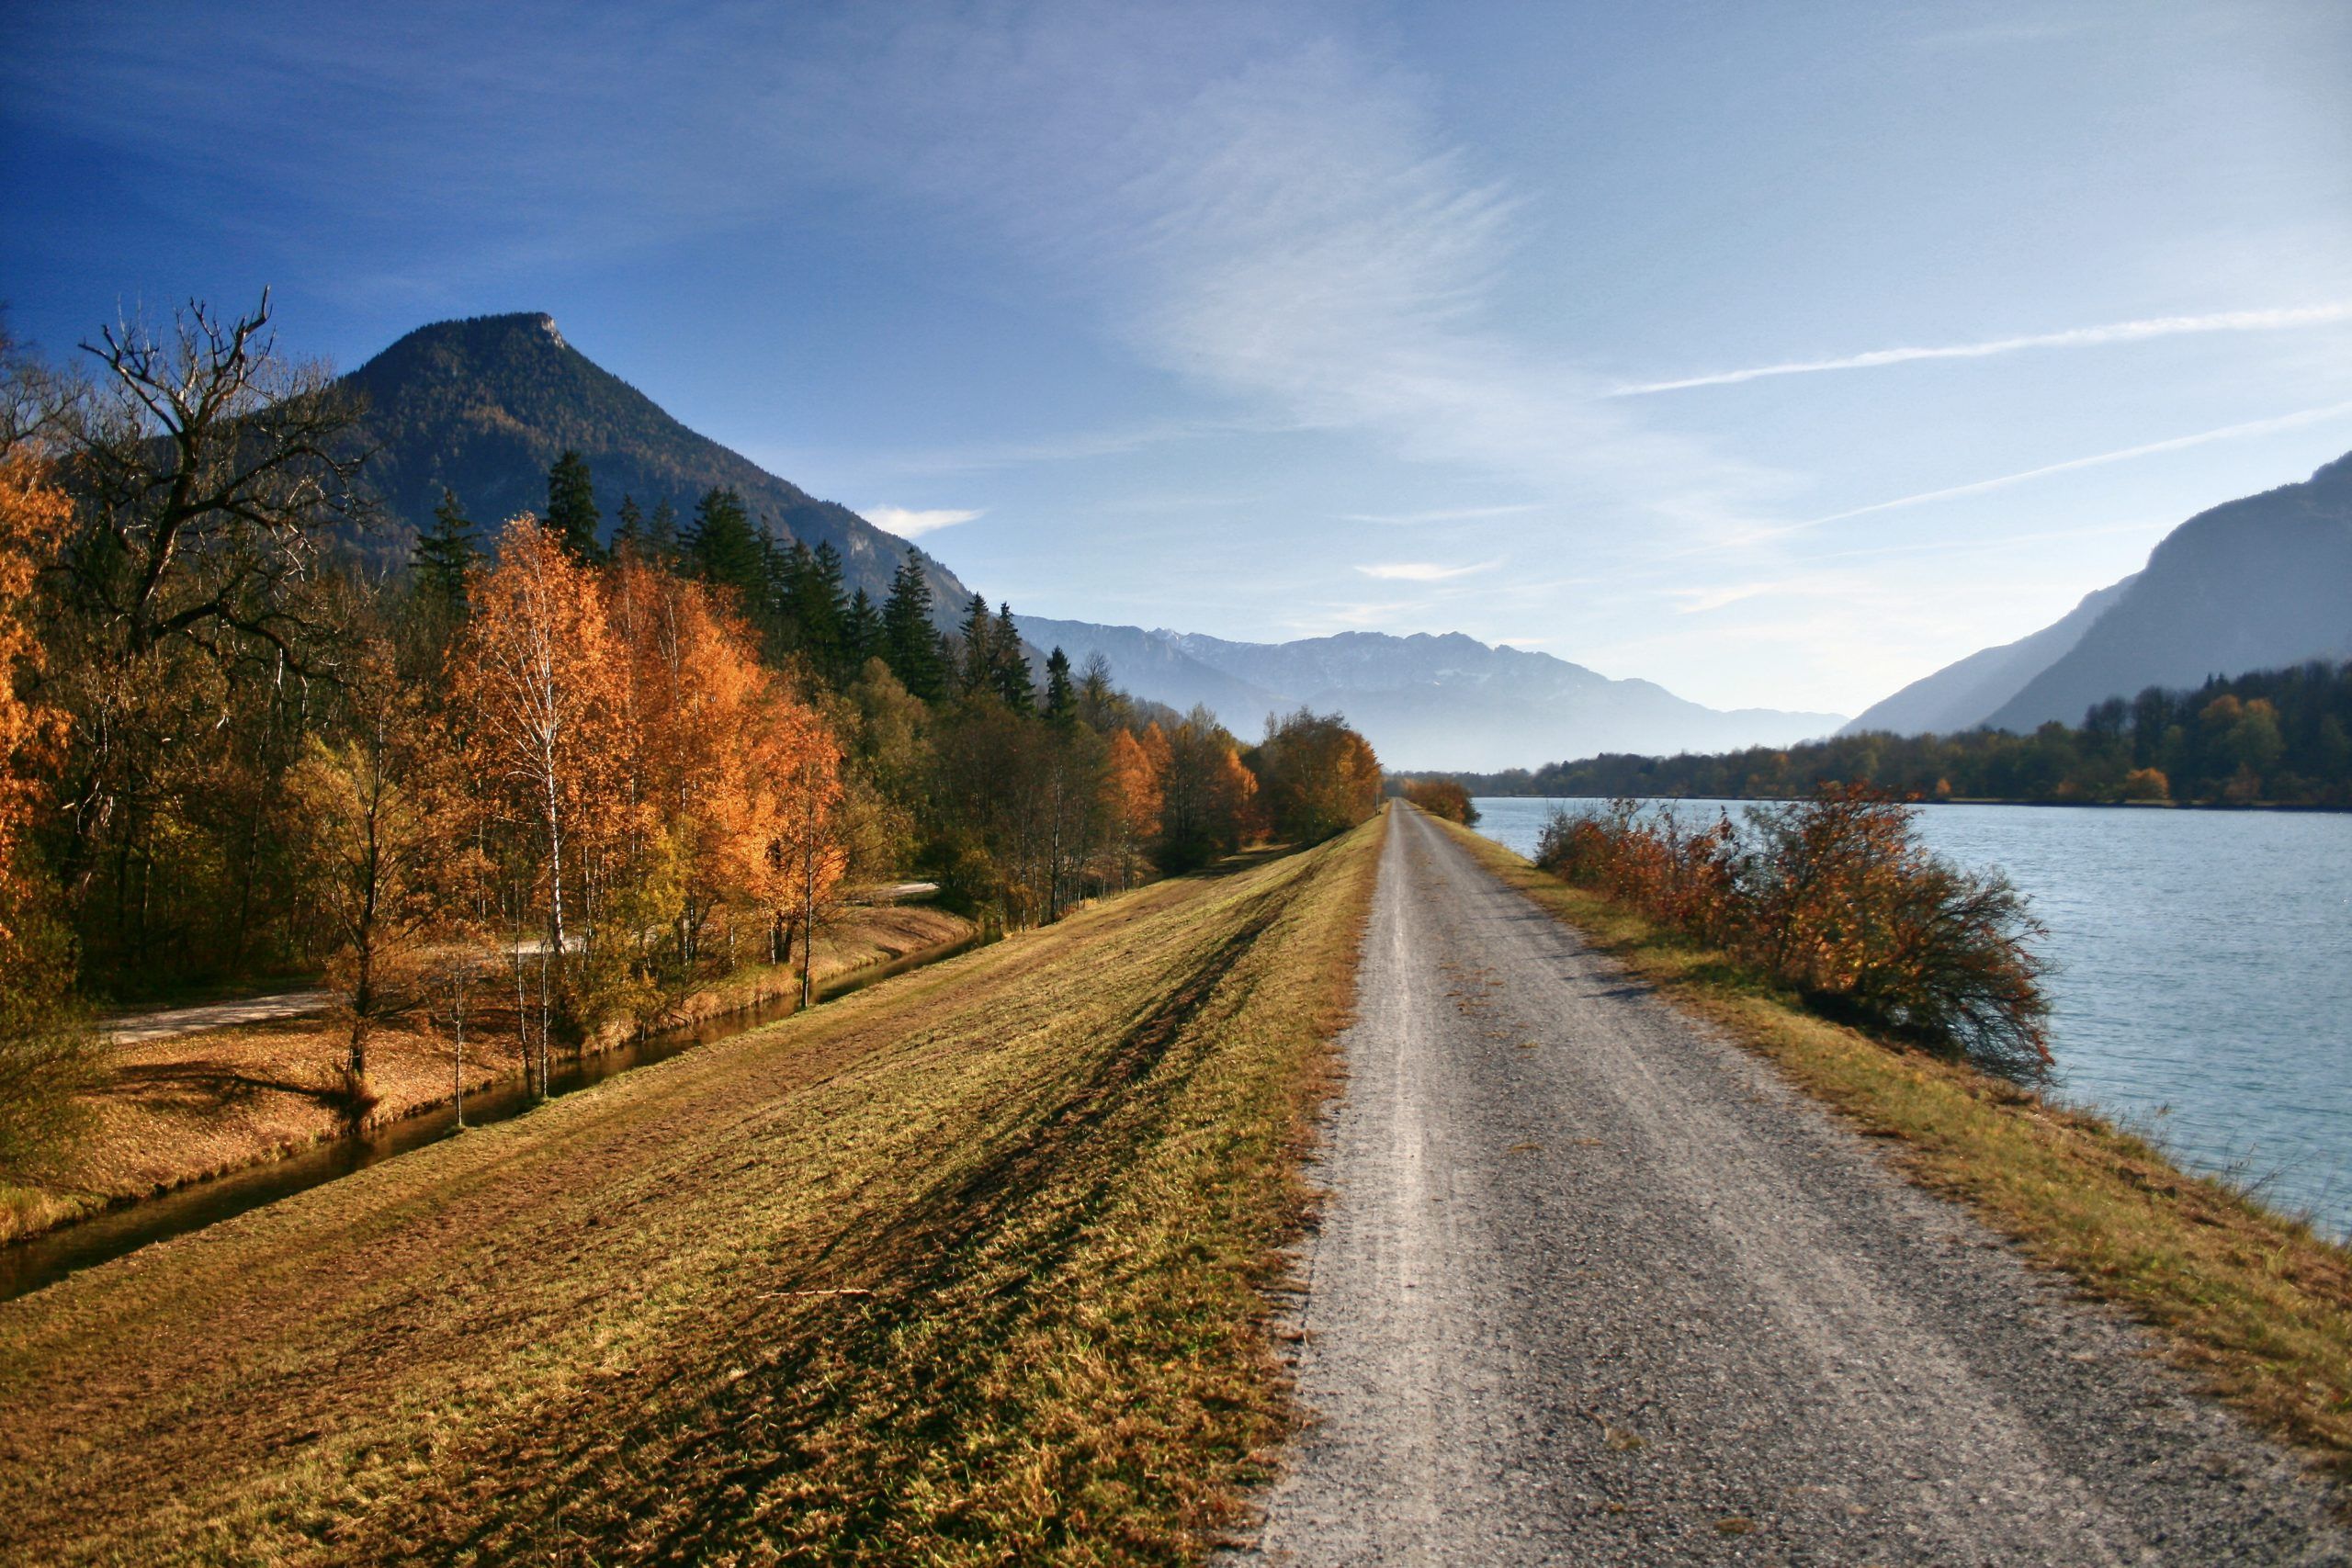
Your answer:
<point x="1425" y="702"/>
<point x="2258" y="583"/>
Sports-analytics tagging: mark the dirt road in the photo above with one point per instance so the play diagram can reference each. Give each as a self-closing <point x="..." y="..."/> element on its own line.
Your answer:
<point x="1594" y="1287"/>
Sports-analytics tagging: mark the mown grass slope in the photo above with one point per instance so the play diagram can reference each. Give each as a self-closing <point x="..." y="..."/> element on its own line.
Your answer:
<point x="165" y="1113"/>
<point x="963" y="1268"/>
<point x="2251" y="1299"/>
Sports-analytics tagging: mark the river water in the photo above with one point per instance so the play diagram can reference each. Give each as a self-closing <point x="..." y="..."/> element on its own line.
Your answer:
<point x="2202" y="992"/>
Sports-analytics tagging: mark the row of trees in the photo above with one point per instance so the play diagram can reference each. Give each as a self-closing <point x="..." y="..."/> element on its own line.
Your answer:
<point x="591" y="773"/>
<point x="2280" y="736"/>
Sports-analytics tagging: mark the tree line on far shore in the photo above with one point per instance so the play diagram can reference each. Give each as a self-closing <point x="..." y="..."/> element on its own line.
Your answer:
<point x="594" y="767"/>
<point x="2274" y="737"/>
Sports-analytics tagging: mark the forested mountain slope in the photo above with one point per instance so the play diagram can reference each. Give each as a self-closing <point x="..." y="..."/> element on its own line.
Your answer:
<point x="2263" y="582"/>
<point x="2260" y="583"/>
<point x="484" y="406"/>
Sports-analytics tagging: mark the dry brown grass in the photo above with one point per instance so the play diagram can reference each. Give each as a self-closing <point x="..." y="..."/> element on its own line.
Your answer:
<point x="179" y="1110"/>
<point x="2251" y="1300"/>
<point x="965" y="1269"/>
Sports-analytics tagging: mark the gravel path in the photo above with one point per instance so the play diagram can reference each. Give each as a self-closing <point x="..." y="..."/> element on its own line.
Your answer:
<point x="166" y="1024"/>
<point x="1594" y="1287"/>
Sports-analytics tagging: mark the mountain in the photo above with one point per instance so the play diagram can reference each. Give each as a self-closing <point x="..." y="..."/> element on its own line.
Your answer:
<point x="1424" y="702"/>
<point x="2258" y="583"/>
<point x="2252" y="584"/>
<point x="484" y="406"/>
<point x="1958" y="696"/>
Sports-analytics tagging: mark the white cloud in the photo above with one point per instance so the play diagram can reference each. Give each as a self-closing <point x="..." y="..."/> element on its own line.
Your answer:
<point x="2076" y="337"/>
<point x="1422" y="571"/>
<point x="909" y="524"/>
<point x="1442" y="514"/>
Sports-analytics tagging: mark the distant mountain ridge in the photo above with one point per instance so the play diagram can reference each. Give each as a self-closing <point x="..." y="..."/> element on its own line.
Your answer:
<point x="1425" y="702"/>
<point x="2261" y="583"/>
<point x="483" y="406"/>
<point x="1960" y="695"/>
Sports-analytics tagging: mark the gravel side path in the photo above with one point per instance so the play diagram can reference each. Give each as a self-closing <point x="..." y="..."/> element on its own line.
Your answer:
<point x="1595" y="1287"/>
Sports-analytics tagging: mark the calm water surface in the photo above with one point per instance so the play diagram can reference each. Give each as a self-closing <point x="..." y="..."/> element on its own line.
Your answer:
<point x="2203" y="990"/>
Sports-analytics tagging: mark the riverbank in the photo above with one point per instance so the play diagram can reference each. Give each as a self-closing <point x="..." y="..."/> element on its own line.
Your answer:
<point x="2321" y="807"/>
<point x="193" y="1105"/>
<point x="2253" y="1300"/>
<point x="969" y="1266"/>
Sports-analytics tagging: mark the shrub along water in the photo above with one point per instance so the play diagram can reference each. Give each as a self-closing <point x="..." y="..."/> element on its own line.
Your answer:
<point x="1833" y="898"/>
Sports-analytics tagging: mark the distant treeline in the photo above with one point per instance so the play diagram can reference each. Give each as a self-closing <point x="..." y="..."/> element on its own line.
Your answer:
<point x="2276" y="737"/>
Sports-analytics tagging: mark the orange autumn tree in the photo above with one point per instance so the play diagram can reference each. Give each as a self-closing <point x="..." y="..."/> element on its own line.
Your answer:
<point x="45" y="1051"/>
<point x="791" y="847"/>
<point x="693" y="691"/>
<point x="741" y="779"/>
<point x="33" y="517"/>
<point x="1318" y="776"/>
<point x="535" y="683"/>
<point x="1133" y="786"/>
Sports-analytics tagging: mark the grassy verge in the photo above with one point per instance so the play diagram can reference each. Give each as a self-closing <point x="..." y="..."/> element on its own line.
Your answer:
<point x="2251" y="1300"/>
<point x="966" y="1267"/>
<point x="171" y="1112"/>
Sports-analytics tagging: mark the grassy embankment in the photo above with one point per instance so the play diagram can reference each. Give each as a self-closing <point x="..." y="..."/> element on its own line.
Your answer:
<point x="2249" y="1299"/>
<point x="166" y="1112"/>
<point x="966" y="1268"/>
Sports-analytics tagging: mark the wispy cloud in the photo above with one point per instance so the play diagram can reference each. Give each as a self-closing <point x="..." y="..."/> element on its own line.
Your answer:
<point x="1423" y="572"/>
<point x="1441" y="515"/>
<point x="2295" y="420"/>
<point x="2076" y="337"/>
<point x="1245" y="200"/>
<point x="909" y="524"/>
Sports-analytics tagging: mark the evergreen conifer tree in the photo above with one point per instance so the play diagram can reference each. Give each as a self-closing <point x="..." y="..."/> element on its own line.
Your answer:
<point x="860" y="631"/>
<point x="662" y="534"/>
<point x="724" y="548"/>
<point x="572" y="508"/>
<point x="979" y="671"/>
<point x="628" y="533"/>
<point x="443" y="555"/>
<point x="1014" y="682"/>
<point x="909" y="643"/>
<point x="823" y="613"/>
<point x="1061" y="697"/>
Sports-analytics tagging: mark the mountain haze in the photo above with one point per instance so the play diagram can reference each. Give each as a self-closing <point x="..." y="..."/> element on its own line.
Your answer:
<point x="1425" y="702"/>
<point x="484" y="406"/>
<point x="1960" y="695"/>
<point x="2252" y="584"/>
<point x="2258" y="583"/>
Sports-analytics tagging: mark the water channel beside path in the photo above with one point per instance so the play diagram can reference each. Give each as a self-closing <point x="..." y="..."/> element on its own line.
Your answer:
<point x="26" y="1266"/>
<point x="2202" y="989"/>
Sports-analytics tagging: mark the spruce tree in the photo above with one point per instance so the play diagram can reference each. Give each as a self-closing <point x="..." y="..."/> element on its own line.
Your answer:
<point x="979" y="671"/>
<point x="1061" y="697"/>
<point x="909" y="643"/>
<point x="444" y="553"/>
<point x="662" y="534"/>
<point x="628" y="533"/>
<point x="861" y="632"/>
<point x="822" y="613"/>
<point x="724" y="548"/>
<point x="572" y="508"/>
<point x="1014" y="680"/>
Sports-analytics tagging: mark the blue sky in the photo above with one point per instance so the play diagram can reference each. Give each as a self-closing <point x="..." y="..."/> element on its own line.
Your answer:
<point x="1580" y="327"/>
